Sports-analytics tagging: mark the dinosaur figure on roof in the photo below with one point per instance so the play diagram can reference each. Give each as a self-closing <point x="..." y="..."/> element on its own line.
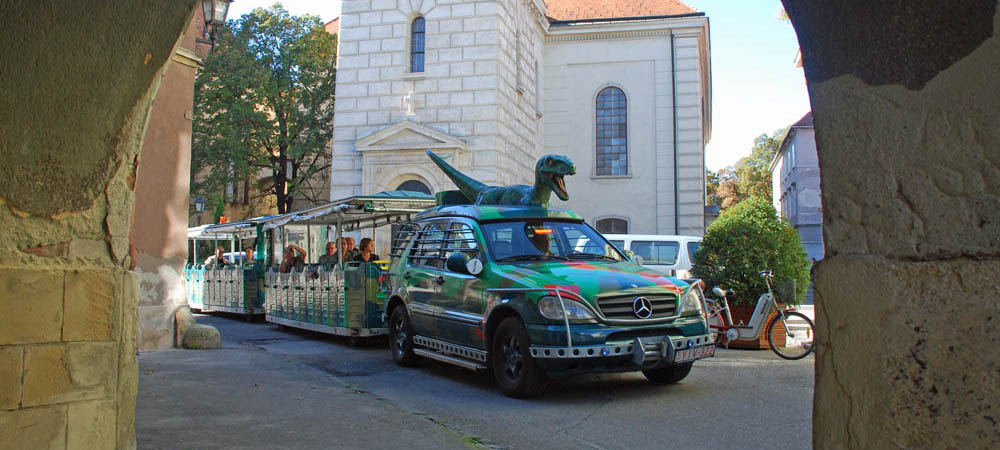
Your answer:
<point x="549" y="173"/>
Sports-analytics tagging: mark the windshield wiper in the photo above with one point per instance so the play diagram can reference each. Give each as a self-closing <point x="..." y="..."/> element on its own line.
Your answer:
<point x="530" y="258"/>
<point x="581" y="255"/>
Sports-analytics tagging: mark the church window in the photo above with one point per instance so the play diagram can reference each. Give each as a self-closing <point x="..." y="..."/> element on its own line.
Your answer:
<point x="612" y="226"/>
<point x="414" y="186"/>
<point x="612" y="132"/>
<point x="417" y="45"/>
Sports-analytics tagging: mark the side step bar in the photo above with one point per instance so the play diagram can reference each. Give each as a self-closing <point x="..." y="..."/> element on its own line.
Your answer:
<point x="449" y="359"/>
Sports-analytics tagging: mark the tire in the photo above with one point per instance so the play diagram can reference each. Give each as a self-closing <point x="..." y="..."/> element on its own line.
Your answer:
<point x="514" y="370"/>
<point x="669" y="374"/>
<point x="803" y="336"/>
<point x="401" y="338"/>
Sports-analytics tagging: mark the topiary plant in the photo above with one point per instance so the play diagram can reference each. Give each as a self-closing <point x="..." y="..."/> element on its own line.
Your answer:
<point x="742" y="241"/>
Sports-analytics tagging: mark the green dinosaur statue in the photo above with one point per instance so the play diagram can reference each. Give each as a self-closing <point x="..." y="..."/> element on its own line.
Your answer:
<point x="549" y="173"/>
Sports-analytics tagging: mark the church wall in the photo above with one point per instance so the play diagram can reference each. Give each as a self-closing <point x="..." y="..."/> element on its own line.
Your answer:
<point x="578" y="66"/>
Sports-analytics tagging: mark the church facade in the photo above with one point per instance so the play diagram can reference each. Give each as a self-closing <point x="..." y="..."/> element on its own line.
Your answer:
<point x="621" y="87"/>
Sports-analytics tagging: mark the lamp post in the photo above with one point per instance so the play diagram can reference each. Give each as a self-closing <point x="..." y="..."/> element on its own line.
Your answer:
<point x="214" y="12"/>
<point x="199" y="207"/>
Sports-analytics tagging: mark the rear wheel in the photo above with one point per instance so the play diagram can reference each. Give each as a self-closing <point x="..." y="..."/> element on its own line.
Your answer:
<point x="401" y="338"/>
<point x="791" y="338"/>
<point x="668" y="375"/>
<point x="514" y="370"/>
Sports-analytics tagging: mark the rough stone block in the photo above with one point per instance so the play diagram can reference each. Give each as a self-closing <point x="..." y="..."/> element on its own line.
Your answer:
<point x="91" y="425"/>
<point x="381" y="32"/>
<point x="368" y="75"/>
<point x="931" y="381"/>
<point x="380" y="60"/>
<point x="371" y="18"/>
<point x="463" y="10"/>
<point x="383" y="88"/>
<point x="33" y="428"/>
<point x="128" y="366"/>
<point x="392" y="45"/>
<point x="352" y="62"/>
<point x="372" y="46"/>
<point x="32" y="305"/>
<point x="89" y="310"/>
<point x="354" y="34"/>
<point x="461" y="98"/>
<point x="450" y="55"/>
<point x="68" y="372"/>
<point x="202" y="337"/>
<point x="480" y="52"/>
<point x="349" y="6"/>
<point x="10" y="376"/>
<point x="450" y="26"/>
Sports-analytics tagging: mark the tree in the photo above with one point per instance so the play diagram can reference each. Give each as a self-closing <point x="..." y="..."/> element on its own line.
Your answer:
<point x="746" y="239"/>
<point x="750" y="176"/>
<point x="264" y="107"/>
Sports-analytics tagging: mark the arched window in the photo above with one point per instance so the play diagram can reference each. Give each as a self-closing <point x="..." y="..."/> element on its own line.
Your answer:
<point x="612" y="132"/>
<point x="414" y="186"/>
<point x="417" y="45"/>
<point x="612" y="226"/>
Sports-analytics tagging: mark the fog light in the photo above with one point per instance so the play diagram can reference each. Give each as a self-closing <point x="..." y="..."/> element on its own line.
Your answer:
<point x="690" y="343"/>
<point x="605" y="351"/>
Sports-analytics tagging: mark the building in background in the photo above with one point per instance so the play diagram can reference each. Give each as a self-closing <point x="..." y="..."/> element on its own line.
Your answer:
<point x="623" y="88"/>
<point x="795" y="186"/>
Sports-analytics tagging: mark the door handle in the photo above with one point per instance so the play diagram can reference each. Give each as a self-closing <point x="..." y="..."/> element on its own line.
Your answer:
<point x="406" y="275"/>
<point x="439" y="279"/>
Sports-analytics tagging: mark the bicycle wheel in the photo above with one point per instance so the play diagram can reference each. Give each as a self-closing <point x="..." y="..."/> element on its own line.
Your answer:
<point x="792" y="338"/>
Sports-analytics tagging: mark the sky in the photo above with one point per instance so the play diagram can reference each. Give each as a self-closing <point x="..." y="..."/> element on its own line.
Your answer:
<point x="756" y="87"/>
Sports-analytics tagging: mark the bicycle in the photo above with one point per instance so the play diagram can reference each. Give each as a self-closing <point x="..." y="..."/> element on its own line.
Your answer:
<point x="789" y="334"/>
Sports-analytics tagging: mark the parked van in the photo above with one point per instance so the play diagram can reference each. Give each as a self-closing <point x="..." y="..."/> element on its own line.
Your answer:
<point x="668" y="254"/>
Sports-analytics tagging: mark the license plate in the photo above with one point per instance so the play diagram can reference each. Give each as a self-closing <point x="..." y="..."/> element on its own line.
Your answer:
<point x="692" y="354"/>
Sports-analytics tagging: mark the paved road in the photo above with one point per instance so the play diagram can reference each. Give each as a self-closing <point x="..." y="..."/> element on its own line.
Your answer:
<point x="270" y="388"/>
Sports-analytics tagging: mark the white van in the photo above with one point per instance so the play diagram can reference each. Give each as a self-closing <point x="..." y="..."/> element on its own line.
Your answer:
<point x="663" y="253"/>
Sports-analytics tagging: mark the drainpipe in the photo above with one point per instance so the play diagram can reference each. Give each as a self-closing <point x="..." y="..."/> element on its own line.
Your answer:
<point x="673" y="85"/>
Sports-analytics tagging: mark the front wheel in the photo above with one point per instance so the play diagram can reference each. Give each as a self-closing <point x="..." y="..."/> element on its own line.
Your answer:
<point x="401" y="338"/>
<point x="669" y="374"/>
<point x="513" y="367"/>
<point x="792" y="337"/>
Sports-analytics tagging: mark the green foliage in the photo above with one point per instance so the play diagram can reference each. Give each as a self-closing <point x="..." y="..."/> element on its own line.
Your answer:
<point x="264" y="104"/>
<point x="744" y="240"/>
<point x="750" y="176"/>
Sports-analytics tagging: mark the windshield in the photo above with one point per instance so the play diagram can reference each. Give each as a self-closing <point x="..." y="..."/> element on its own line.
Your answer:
<point x="541" y="240"/>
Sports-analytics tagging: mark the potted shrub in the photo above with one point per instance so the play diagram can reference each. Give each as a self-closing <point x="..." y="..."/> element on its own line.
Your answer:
<point x="742" y="241"/>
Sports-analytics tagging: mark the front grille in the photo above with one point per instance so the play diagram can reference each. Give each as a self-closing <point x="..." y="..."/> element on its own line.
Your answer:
<point x="620" y="307"/>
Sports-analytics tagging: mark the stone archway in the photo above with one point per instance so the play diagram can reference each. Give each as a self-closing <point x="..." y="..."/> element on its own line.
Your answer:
<point x="905" y="96"/>
<point x="908" y="287"/>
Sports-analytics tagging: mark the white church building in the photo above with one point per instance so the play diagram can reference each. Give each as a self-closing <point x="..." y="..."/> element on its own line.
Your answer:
<point x="621" y="87"/>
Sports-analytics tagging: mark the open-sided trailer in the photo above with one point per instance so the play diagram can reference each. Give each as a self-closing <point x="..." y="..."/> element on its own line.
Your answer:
<point x="236" y="286"/>
<point x="346" y="298"/>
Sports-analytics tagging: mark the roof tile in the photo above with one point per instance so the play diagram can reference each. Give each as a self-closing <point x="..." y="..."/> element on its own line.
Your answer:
<point x="570" y="10"/>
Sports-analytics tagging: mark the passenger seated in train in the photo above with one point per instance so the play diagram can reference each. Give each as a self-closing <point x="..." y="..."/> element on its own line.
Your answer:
<point x="218" y="260"/>
<point x="366" y="252"/>
<point x="331" y="257"/>
<point x="290" y="260"/>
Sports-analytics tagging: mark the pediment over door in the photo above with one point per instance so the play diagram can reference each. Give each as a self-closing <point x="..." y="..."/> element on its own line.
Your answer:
<point x="408" y="135"/>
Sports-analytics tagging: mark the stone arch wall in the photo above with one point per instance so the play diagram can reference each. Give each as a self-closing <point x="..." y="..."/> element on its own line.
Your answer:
<point x="74" y="114"/>
<point x="905" y="98"/>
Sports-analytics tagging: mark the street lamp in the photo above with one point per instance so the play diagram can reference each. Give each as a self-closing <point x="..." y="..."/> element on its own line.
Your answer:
<point x="214" y="12"/>
<point x="199" y="207"/>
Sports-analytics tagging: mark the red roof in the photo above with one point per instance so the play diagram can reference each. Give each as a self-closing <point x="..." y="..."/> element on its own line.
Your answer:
<point x="570" y="10"/>
<point x="333" y="26"/>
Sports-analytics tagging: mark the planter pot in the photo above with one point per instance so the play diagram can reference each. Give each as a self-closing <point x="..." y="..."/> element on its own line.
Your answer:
<point x="743" y="313"/>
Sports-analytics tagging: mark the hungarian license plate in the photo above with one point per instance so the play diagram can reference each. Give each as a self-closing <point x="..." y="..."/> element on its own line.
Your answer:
<point x="692" y="354"/>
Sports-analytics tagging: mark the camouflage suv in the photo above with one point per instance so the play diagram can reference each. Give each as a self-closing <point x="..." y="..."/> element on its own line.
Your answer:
<point x="532" y="294"/>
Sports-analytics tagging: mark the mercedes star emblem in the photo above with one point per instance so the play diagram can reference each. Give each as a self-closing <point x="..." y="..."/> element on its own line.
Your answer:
<point x="642" y="307"/>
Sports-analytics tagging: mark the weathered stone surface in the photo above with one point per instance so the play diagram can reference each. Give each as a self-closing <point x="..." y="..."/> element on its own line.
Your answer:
<point x="904" y="357"/>
<point x="89" y="310"/>
<point x="183" y="321"/>
<point x="32" y="305"/>
<point x="88" y="248"/>
<point x="33" y="428"/>
<point x="202" y="337"/>
<point x="128" y="366"/>
<point x="10" y="376"/>
<point x="91" y="425"/>
<point x="68" y="372"/>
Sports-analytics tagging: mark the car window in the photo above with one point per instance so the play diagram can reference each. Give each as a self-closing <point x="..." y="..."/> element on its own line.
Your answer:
<point x="692" y="248"/>
<point x="656" y="252"/>
<point x="427" y="248"/>
<point x="460" y="238"/>
<point x="619" y="244"/>
<point x="539" y="239"/>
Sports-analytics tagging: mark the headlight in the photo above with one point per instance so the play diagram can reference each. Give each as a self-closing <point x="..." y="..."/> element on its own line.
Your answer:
<point x="549" y="307"/>
<point x="691" y="301"/>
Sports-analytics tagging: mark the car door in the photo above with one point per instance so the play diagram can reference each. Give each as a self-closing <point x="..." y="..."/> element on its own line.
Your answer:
<point x="422" y="276"/>
<point x="459" y="301"/>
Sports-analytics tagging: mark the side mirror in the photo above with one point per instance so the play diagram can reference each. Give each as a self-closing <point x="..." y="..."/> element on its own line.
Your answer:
<point x="718" y="291"/>
<point x="459" y="263"/>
